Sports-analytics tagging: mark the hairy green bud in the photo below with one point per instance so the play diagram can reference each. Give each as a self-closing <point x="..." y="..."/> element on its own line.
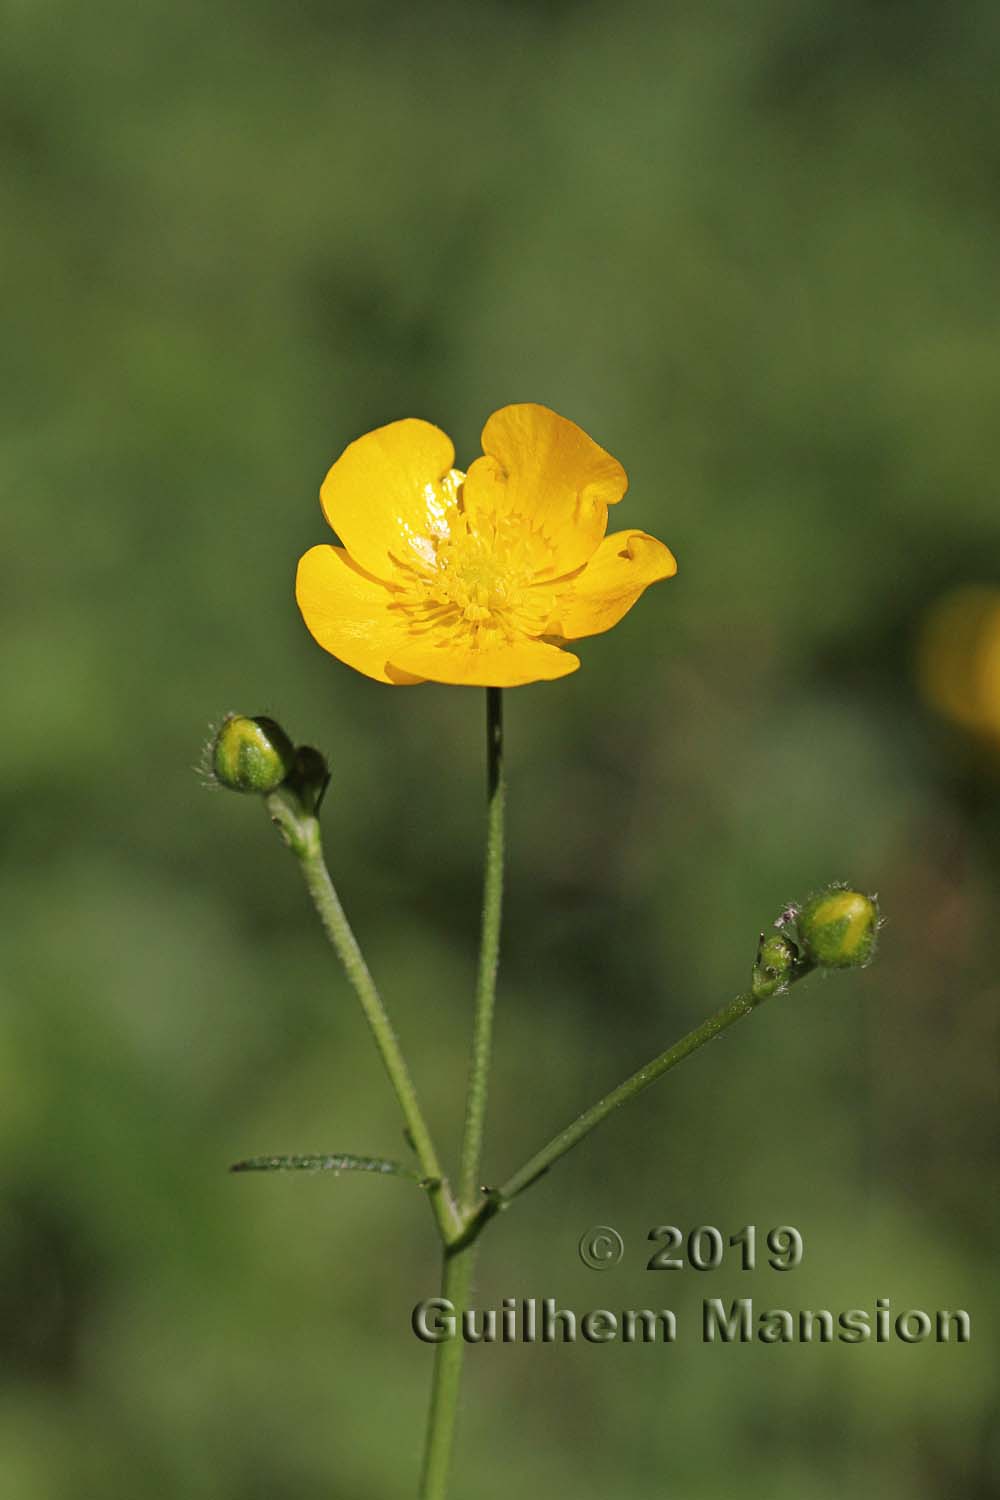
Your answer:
<point x="776" y="962"/>
<point x="838" y="928"/>
<point x="251" y="755"/>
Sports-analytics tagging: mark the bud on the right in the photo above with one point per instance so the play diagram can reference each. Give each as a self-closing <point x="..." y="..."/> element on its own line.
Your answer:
<point x="838" y="928"/>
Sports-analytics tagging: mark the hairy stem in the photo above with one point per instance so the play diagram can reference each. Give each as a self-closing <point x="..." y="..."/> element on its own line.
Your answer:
<point x="456" y="1283"/>
<point x="302" y="834"/>
<point x="571" y="1136"/>
<point x="489" y="953"/>
<point x="459" y="1257"/>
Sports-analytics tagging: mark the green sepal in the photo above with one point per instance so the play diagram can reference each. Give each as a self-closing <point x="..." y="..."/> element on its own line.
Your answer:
<point x="777" y="961"/>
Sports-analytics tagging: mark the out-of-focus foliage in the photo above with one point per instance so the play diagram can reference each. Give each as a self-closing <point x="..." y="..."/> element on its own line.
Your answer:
<point x="753" y="251"/>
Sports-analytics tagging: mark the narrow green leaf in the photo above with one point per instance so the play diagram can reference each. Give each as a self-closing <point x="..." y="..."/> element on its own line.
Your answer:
<point x="335" y="1163"/>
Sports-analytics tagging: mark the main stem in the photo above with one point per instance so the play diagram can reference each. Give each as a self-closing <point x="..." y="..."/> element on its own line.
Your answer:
<point x="303" y="836"/>
<point x="460" y="1258"/>
<point x="456" y="1283"/>
<point x="489" y="954"/>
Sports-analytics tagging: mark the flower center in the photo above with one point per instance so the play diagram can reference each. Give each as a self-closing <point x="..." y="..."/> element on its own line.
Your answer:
<point x="473" y="581"/>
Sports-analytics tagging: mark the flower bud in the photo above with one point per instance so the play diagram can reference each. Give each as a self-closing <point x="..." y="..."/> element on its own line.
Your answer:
<point x="251" y="755"/>
<point x="776" y="961"/>
<point x="838" y="928"/>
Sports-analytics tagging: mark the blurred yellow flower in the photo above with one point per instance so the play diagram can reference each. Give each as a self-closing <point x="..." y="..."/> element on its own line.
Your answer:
<point x="959" y="659"/>
<point x="473" y="578"/>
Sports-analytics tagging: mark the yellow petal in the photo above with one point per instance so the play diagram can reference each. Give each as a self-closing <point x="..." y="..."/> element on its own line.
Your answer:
<point x="545" y="471"/>
<point x="625" y="564"/>
<point x="390" y="490"/>
<point x="501" y="666"/>
<point x="349" y="613"/>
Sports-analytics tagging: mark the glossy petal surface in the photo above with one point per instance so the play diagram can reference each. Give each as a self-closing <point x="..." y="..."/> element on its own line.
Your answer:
<point x="545" y="471"/>
<point x="508" y="665"/>
<point x="350" y="613"/>
<point x="388" y="490"/>
<point x="624" y="565"/>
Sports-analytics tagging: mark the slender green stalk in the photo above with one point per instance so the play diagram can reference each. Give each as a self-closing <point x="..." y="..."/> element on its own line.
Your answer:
<point x="542" y="1160"/>
<point x="459" y="1258"/>
<point x="456" y="1284"/>
<point x="489" y="954"/>
<point x="302" y="834"/>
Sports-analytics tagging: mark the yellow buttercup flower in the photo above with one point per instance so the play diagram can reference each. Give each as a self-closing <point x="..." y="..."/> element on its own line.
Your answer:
<point x="473" y="578"/>
<point x="959" y="659"/>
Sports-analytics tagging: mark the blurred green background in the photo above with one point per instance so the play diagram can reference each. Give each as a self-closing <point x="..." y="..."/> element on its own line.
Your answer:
<point x="753" y="251"/>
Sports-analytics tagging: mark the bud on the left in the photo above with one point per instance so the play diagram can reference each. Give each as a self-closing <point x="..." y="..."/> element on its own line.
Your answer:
<point x="775" y="967"/>
<point x="251" y="755"/>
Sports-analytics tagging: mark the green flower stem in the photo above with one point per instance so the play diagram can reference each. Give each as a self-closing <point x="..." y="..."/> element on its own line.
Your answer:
<point x="540" y="1163"/>
<point x="456" y="1283"/>
<point x="459" y="1257"/>
<point x="489" y="953"/>
<point x="302" y="834"/>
